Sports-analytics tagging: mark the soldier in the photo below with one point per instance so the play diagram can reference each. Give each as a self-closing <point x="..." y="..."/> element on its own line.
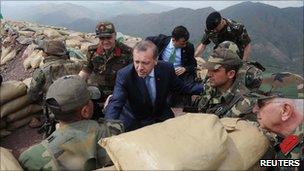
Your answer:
<point x="283" y="115"/>
<point x="105" y="59"/>
<point x="219" y="29"/>
<point x="73" y="146"/>
<point x="57" y="63"/>
<point x="223" y="95"/>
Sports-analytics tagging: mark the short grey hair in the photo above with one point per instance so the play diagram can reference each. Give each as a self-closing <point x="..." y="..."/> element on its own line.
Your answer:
<point x="297" y="103"/>
<point x="144" y="45"/>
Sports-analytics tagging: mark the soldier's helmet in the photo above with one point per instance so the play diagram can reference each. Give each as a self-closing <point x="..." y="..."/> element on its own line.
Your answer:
<point x="69" y="92"/>
<point x="224" y="54"/>
<point x="213" y="20"/>
<point x="52" y="47"/>
<point x="105" y="29"/>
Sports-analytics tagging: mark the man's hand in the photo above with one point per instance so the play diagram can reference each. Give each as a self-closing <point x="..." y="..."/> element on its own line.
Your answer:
<point x="180" y="70"/>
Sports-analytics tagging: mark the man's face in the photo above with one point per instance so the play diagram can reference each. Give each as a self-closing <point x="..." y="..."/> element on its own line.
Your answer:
<point x="219" y="27"/>
<point x="268" y="113"/>
<point x="218" y="77"/>
<point x="180" y="43"/>
<point x="144" y="62"/>
<point x="108" y="42"/>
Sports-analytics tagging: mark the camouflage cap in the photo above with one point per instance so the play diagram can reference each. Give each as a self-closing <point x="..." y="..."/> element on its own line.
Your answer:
<point x="70" y="92"/>
<point x="52" y="47"/>
<point x="105" y="29"/>
<point x="224" y="54"/>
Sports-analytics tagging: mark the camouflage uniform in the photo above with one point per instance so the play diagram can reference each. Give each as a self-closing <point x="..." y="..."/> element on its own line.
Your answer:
<point x="296" y="152"/>
<point x="74" y="145"/>
<point x="233" y="31"/>
<point x="231" y="103"/>
<point x="56" y="65"/>
<point x="104" y="64"/>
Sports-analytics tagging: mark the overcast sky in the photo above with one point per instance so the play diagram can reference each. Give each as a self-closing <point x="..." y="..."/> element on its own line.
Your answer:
<point x="217" y="5"/>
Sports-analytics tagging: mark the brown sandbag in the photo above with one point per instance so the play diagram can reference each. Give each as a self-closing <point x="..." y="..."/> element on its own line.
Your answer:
<point x="4" y="133"/>
<point x="8" y="57"/>
<point x="26" y="111"/>
<point x="27" y="81"/>
<point x="14" y="105"/>
<point x="8" y="161"/>
<point x="246" y="144"/>
<point x="188" y="142"/>
<point x="10" y="90"/>
<point x="19" y="123"/>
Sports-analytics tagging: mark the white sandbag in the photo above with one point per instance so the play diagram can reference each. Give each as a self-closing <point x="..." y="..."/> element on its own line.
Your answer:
<point x="35" y="62"/>
<point x="27" y="81"/>
<point x="5" y="51"/>
<point x="51" y="33"/>
<point x="8" y="161"/>
<point x="24" y="112"/>
<point x="4" y="133"/>
<point x="188" y="142"/>
<point x="29" y="50"/>
<point x="72" y="43"/>
<point x="14" y="105"/>
<point x="8" y="57"/>
<point x="246" y="144"/>
<point x="11" y="90"/>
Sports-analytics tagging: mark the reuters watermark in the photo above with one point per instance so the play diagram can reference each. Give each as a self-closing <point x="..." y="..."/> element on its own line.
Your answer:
<point x="280" y="163"/>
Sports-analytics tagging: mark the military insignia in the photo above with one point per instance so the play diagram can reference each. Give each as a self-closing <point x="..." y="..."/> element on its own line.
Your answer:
<point x="228" y="29"/>
<point x="289" y="143"/>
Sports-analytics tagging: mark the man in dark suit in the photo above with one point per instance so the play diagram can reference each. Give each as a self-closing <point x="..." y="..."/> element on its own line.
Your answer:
<point x="141" y="89"/>
<point x="177" y="50"/>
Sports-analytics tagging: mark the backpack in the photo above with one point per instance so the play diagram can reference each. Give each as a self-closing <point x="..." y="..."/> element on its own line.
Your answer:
<point x="250" y="75"/>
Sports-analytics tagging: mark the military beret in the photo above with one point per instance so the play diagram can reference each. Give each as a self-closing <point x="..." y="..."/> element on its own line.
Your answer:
<point x="213" y="20"/>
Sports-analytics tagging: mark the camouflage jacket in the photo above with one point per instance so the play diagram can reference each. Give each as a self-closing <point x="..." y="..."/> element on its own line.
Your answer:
<point x="295" y="153"/>
<point x="73" y="146"/>
<point x="233" y="103"/>
<point x="103" y="65"/>
<point x="233" y="31"/>
<point x="52" y="69"/>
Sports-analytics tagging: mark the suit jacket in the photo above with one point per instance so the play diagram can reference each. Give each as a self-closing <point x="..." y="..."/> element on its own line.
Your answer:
<point x="187" y="53"/>
<point x="131" y="102"/>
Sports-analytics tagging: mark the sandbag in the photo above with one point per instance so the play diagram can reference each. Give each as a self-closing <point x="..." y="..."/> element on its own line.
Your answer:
<point x="19" y="123"/>
<point x="26" y="111"/>
<point x="246" y="144"/>
<point x="11" y="90"/>
<point x="4" y="133"/>
<point x="14" y="105"/>
<point x="27" y="81"/>
<point x="35" y="62"/>
<point x="188" y="142"/>
<point x="106" y="168"/>
<point x="51" y="33"/>
<point x="72" y="43"/>
<point x="5" y="51"/>
<point x="8" y="57"/>
<point x="8" y="161"/>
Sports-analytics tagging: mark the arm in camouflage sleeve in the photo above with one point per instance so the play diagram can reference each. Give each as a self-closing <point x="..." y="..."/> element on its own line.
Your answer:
<point x="37" y="84"/>
<point x="244" y="40"/>
<point x="201" y="47"/>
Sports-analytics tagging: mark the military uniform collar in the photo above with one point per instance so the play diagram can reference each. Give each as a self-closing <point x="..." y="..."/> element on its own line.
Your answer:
<point x="226" y="96"/>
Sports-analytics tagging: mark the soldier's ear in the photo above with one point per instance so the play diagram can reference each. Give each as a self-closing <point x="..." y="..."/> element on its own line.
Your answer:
<point x="87" y="110"/>
<point x="287" y="110"/>
<point x="231" y="74"/>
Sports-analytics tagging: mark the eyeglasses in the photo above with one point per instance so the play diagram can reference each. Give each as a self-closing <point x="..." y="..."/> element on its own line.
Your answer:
<point x="105" y="38"/>
<point x="262" y="103"/>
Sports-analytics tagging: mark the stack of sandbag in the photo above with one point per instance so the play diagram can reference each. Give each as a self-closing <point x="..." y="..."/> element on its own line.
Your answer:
<point x="188" y="142"/>
<point x="16" y="109"/>
<point x="8" y="161"/>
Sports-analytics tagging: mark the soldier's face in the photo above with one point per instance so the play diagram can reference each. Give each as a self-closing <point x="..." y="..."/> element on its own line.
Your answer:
<point x="219" y="77"/>
<point x="108" y="42"/>
<point x="144" y="62"/>
<point x="268" y="113"/>
<point x="180" y="43"/>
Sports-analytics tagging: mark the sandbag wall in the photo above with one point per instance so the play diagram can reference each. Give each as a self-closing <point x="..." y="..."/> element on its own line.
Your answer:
<point x="16" y="108"/>
<point x="25" y="34"/>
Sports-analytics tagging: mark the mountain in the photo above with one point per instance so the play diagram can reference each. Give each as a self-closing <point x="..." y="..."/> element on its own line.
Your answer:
<point x="276" y="34"/>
